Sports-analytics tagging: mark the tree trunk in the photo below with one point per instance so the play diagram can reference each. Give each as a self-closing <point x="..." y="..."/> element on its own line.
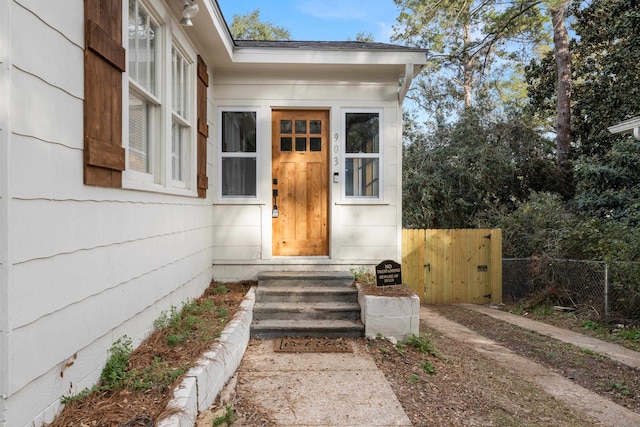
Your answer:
<point x="467" y="77"/>
<point x="563" y="85"/>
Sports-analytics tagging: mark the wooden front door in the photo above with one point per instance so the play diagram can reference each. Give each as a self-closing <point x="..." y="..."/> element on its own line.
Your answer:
<point x="300" y="173"/>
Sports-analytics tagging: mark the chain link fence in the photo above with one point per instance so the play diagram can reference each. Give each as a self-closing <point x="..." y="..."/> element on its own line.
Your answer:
<point x="606" y="290"/>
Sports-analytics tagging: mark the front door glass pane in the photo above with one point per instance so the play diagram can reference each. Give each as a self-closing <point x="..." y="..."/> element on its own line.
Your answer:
<point x="301" y="126"/>
<point x="315" y="127"/>
<point x="315" y="144"/>
<point x="301" y="144"/>
<point x="286" y="144"/>
<point x="285" y="126"/>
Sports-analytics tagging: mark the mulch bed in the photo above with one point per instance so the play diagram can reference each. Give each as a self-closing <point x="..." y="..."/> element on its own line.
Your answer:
<point x="130" y="407"/>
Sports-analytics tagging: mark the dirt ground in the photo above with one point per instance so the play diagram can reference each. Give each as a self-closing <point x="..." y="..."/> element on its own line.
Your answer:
<point x="458" y="387"/>
<point x="462" y="387"/>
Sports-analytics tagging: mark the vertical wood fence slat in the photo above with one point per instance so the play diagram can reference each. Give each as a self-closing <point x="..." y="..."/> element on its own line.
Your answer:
<point x="453" y="266"/>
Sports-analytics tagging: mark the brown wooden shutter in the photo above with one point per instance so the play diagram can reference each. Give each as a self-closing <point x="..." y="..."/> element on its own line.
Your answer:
<point x="203" y="128"/>
<point x="104" y="63"/>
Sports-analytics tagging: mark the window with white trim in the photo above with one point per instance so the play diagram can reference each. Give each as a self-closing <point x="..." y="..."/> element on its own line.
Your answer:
<point x="161" y="113"/>
<point x="238" y="156"/>
<point x="362" y="154"/>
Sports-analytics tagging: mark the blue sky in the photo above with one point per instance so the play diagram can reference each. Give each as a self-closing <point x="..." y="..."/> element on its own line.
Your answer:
<point x="321" y="19"/>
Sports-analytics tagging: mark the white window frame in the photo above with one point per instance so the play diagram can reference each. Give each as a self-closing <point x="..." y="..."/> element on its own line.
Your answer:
<point x="256" y="155"/>
<point x="170" y="36"/>
<point x="379" y="155"/>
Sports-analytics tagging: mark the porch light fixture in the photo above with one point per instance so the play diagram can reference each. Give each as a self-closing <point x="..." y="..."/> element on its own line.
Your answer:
<point x="189" y="10"/>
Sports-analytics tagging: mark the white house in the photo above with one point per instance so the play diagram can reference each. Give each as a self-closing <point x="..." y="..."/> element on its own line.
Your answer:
<point x="139" y="160"/>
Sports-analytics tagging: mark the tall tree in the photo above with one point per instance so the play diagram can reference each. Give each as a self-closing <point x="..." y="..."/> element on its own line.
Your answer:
<point x="467" y="38"/>
<point x="562" y="56"/>
<point x="251" y="27"/>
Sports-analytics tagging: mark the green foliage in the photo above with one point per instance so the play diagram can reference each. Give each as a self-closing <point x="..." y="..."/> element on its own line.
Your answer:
<point x="221" y="289"/>
<point x="158" y="375"/>
<point x="422" y="343"/>
<point x="592" y="325"/>
<point x="461" y="171"/>
<point x="414" y="378"/>
<point x="186" y="323"/>
<point x="629" y="334"/>
<point x="537" y="226"/>
<point x="250" y="27"/>
<point x="427" y="367"/>
<point x="364" y="37"/>
<point x="114" y="374"/>
<point x="226" y="418"/>
<point x="467" y="42"/>
<point x="360" y="274"/>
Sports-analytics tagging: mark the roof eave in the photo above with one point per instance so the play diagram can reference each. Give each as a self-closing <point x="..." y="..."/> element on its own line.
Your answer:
<point x="631" y="126"/>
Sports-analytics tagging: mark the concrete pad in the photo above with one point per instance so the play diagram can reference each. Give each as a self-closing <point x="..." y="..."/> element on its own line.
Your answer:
<point x="318" y="389"/>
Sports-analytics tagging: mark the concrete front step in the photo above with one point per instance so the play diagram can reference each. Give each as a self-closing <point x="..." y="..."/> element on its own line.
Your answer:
<point x="306" y="311"/>
<point x="308" y="278"/>
<point x="301" y="304"/>
<point x="302" y="293"/>
<point x="265" y="329"/>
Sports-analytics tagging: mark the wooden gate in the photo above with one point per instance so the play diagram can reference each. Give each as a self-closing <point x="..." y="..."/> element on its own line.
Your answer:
<point x="453" y="266"/>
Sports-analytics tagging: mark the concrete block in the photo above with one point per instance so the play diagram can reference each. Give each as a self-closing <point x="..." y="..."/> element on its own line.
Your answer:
<point x="389" y="316"/>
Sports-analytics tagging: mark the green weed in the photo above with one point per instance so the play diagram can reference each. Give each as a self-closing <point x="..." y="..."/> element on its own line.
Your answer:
<point x="220" y="289"/>
<point x="427" y="367"/>
<point x="414" y="378"/>
<point x="114" y="374"/>
<point x="422" y="343"/>
<point x="363" y="276"/>
<point x="226" y="418"/>
<point x="630" y="334"/>
<point x="592" y="325"/>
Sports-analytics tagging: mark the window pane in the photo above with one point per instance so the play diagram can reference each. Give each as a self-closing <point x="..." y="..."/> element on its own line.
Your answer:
<point x="238" y="176"/>
<point x="362" y="177"/>
<point x="286" y="144"/>
<point x="315" y="144"/>
<point x="140" y="118"/>
<point x="179" y="83"/>
<point x="142" y="47"/>
<point x="285" y="126"/>
<point x="239" y="132"/>
<point x="362" y="133"/>
<point x="301" y="144"/>
<point x="301" y="126"/>
<point x="315" y="127"/>
<point x="178" y="145"/>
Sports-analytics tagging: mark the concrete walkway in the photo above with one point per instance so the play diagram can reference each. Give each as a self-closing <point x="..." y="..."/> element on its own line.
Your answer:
<point x="318" y="389"/>
<point x="611" y="350"/>
<point x="347" y="389"/>
<point x="574" y="396"/>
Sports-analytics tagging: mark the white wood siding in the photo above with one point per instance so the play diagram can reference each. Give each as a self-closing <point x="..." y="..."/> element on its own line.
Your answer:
<point x="361" y="232"/>
<point x="83" y="265"/>
<point x="5" y="108"/>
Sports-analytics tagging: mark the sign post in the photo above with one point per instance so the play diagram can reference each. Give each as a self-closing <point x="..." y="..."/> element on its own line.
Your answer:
<point x="388" y="273"/>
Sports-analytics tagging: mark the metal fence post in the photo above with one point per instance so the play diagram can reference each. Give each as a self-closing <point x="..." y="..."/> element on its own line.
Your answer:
<point x="606" y="290"/>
